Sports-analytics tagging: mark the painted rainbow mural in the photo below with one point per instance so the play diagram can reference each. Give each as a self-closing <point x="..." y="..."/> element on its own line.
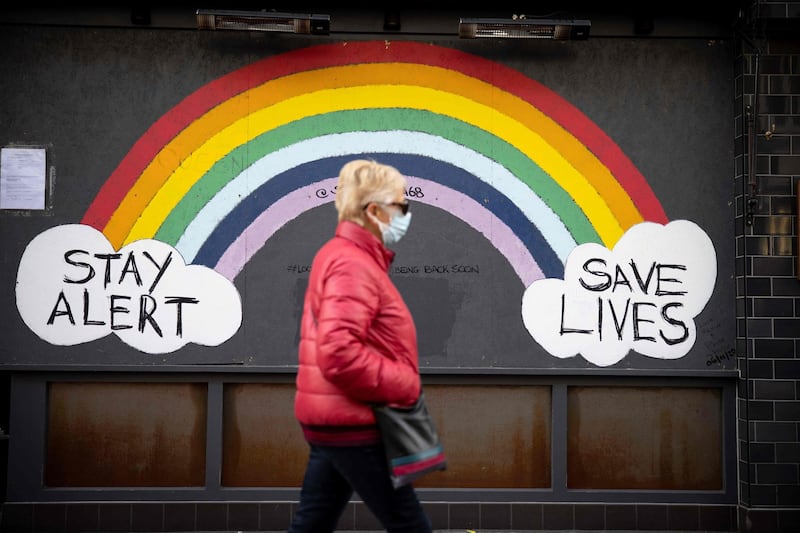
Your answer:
<point x="226" y="168"/>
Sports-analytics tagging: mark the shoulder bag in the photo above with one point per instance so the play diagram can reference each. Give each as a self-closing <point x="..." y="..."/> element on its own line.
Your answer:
<point x="412" y="443"/>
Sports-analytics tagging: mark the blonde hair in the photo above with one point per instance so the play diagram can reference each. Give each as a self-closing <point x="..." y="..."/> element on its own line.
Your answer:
<point x="363" y="181"/>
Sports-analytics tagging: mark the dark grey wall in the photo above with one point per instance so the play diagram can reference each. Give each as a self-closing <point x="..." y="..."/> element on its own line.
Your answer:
<point x="90" y="93"/>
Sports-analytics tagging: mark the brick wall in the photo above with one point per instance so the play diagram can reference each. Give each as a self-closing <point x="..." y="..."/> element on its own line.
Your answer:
<point x="768" y="288"/>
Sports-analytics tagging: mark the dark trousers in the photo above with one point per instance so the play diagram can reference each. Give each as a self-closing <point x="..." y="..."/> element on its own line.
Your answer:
<point x="335" y="472"/>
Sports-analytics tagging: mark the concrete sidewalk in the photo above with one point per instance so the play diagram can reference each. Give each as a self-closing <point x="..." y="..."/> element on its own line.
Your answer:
<point x="515" y="531"/>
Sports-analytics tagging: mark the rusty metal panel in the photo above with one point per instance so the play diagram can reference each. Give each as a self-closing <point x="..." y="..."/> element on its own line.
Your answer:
<point x="495" y="436"/>
<point x="262" y="445"/>
<point x="647" y="438"/>
<point x="126" y="434"/>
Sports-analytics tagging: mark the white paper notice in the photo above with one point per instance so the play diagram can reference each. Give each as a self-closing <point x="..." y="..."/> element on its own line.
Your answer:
<point x="22" y="178"/>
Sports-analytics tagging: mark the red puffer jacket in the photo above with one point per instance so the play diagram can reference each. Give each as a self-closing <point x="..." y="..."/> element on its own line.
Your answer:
<point x="358" y="343"/>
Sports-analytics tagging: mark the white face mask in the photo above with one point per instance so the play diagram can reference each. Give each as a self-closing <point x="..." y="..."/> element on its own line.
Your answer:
<point x="395" y="229"/>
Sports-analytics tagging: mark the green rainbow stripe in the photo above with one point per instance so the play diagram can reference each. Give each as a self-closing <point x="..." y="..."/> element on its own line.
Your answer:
<point x="374" y="120"/>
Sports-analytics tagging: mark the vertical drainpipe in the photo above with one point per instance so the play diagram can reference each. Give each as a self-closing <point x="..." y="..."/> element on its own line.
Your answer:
<point x="751" y="202"/>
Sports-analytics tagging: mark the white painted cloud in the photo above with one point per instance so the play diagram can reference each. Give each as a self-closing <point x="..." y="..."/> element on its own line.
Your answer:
<point x="643" y="295"/>
<point x="73" y="287"/>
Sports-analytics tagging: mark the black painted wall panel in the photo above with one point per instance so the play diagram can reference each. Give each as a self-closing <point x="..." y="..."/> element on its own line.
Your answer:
<point x="90" y="93"/>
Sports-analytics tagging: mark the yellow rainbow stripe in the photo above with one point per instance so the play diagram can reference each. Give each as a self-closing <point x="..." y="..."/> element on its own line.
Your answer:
<point x="238" y="120"/>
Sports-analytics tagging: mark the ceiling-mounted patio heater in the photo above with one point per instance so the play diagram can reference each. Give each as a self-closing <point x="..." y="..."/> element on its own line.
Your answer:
<point x="217" y="19"/>
<point x="524" y="28"/>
